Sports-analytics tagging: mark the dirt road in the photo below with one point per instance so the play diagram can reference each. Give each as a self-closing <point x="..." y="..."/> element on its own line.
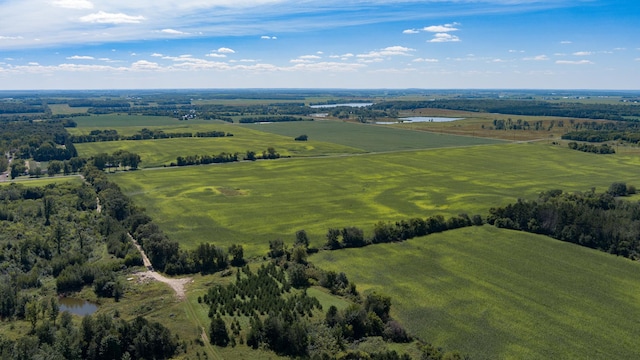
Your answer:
<point x="176" y="284"/>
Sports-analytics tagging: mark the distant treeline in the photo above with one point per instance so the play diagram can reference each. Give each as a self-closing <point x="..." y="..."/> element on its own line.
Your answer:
<point x="602" y="149"/>
<point x="521" y="107"/>
<point x="144" y="134"/>
<point x="96" y="103"/>
<point x="23" y="107"/>
<point x="598" y="221"/>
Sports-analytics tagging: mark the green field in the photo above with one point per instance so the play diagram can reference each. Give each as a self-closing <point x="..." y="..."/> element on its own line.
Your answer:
<point x="161" y="152"/>
<point x="112" y="121"/>
<point x="501" y="294"/>
<point x="251" y="203"/>
<point x="371" y="138"/>
<point x="326" y="138"/>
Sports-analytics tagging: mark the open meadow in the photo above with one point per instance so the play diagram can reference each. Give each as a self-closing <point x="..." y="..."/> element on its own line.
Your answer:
<point x="251" y="203"/>
<point x="503" y="294"/>
<point x="325" y="138"/>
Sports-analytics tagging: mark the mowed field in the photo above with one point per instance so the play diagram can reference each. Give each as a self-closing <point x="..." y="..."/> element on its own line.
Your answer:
<point x="502" y="294"/>
<point x="251" y="203"/>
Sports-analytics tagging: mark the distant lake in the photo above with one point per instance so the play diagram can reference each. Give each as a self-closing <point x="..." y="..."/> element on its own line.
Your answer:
<point x="416" y="119"/>
<point x="337" y="105"/>
<point x="77" y="306"/>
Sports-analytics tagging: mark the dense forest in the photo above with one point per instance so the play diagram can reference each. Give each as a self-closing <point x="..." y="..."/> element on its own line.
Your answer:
<point x="597" y="220"/>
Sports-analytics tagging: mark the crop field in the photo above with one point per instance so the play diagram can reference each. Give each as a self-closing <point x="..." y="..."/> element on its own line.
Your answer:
<point x="371" y="138"/>
<point x="164" y="151"/>
<point x="502" y="294"/>
<point x="325" y="138"/>
<point x="251" y="203"/>
<point x="114" y="121"/>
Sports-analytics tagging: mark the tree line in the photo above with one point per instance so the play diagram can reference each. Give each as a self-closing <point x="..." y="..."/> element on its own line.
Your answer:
<point x="224" y="157"/>
<point x="385" y="232"/>
<point x="521" y="107"/>
<point x="601" y="149"/>
<point x="144" y="134"/>
<point x="596" y="220"/>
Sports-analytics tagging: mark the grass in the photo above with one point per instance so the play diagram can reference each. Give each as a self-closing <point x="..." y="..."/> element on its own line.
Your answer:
<point x="111" y="121"/>
<point x="370" y="138"/>
<point x="161" y="152"/>
<point x="43" y="181"/>
<point x="503" y="294"/>
<point x="251" y="203"/>
<point x="326" y="138"/>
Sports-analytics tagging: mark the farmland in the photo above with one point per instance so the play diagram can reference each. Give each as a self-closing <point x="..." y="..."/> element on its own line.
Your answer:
<point x="256" y="202"/>
<point x="504" y="294"/>
<point x="325" y="138"/>
<point x="488" y="292"/>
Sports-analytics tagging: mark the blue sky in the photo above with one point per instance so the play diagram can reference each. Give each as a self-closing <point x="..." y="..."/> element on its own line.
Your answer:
<point x="524" y="44"/>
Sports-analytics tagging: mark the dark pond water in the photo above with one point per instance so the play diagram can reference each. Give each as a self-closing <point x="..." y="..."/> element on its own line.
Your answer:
<point x="77" y="306"/>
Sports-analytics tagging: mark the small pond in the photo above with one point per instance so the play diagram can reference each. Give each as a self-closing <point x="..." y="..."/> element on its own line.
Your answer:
<point x="77" y="306"/>
<point x="336" y="105"/>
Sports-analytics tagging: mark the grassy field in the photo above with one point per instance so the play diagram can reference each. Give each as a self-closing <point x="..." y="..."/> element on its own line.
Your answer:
<point x="251" y="203"/>
<point x="112" y="121"/>
<point x="371" y="138"/>
<point x="326" y="138"/>
<point x="164" y="151"/>
<point x="501" y="294"/>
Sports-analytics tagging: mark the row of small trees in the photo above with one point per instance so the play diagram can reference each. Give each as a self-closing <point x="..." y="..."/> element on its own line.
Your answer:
<point x="225" y="157"/>
<point x="602" y="149"/>
<point x="385" y="232"/>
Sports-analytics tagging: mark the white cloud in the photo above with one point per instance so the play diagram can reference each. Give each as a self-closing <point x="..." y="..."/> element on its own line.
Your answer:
<point x="80" y="57"/>
<point x="571" y="62"/>
<point x="309" y="57"/>
<point x="537" y="58"/>
<point x="73" y="4"/>
<point x="516" y="51"/>
<point x="102" y="17"/>
<point x="173" y="32"/>
<point x="157" y="55"/>
<point x="324" y="66"/>
<point x="216" y="55"/>
<point x="564" y="42"/>
<point x="441" y="28"/>
<point x="33" y="63"/>
<point x="425" y="60"/>
<point x="444" y="37"/>
<point x="145" y="65"/>
<point x="582" y="53"/>
<point x="11" y="37"/>
<point x="224" y="50"/>
<point x="388" y="51"/>
<point x="411" y="31"/>
<point x="266" y="37"/>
